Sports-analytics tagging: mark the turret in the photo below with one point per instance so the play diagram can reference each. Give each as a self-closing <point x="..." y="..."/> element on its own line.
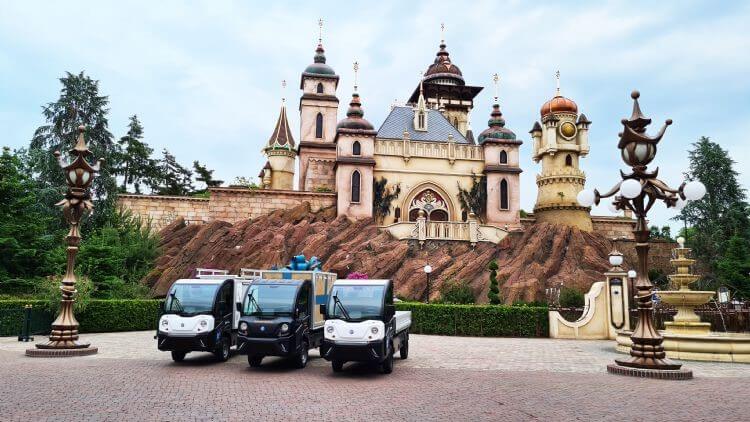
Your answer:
<point x="281" y="152"/>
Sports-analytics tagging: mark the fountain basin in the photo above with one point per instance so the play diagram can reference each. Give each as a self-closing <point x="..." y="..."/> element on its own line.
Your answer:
<point x="714" y="347"/>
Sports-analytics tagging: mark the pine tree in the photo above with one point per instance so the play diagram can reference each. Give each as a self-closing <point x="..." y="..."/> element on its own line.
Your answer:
<point x="723" y="212"/>
<point x="494" y="294"/>
<point x="733" y="269"/>
<point x="79" y="104"/>
<point x="205" y="175"/>
<point x="171" y="177"/>
<point x="136" y="164"/>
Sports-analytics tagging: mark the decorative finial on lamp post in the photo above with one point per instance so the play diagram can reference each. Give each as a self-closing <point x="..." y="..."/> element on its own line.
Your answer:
<point x="63" y="339"/>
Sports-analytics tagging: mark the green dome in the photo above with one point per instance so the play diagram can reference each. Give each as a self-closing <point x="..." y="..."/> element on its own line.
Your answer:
<point x="319" y="66"/>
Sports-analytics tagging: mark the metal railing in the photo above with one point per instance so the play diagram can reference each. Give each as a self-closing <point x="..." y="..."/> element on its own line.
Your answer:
<point x="723" y="318"/>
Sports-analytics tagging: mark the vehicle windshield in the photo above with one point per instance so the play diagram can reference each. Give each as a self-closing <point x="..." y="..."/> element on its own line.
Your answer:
<point x="190" y="299"/>
<point x="358" y="302"/>
<point x="270" y="300"/>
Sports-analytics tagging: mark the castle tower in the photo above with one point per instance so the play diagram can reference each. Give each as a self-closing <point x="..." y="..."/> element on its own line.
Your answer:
<point x="559" y="142"/>
<point x="281" y="155"/>
<point x="444" y="88"/>
<point x="502" y="168"/>
<point x="318" y="107"/>
<point x="355" y="162"/>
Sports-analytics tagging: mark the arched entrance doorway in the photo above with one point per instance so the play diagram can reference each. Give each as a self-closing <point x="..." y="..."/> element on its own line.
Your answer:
<point x="433" y="205"/>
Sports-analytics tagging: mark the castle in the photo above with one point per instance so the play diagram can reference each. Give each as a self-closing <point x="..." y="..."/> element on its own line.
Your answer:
<point x="422" y="174"/>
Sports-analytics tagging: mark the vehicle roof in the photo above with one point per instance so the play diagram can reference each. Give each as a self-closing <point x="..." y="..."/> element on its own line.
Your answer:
<point x="346" y="282"/>
<point x="207" y="281"/>
<point x="280" y="281"/>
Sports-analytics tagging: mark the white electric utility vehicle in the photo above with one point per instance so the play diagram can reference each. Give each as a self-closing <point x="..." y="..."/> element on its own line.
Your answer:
<point x="362" y="325"/>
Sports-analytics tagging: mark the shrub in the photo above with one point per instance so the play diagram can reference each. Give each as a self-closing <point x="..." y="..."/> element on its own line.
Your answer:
<point x="477" y="320"/>
<point x="571" y="298"/>
<point x="494" y="294"/>
<point x="48" y="291"/>
<point x="356" y="275"/>
<point x="456" y="292"/>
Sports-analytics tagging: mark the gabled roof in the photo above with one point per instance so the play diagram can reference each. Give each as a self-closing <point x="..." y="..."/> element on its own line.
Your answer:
<point x="282" y="136"/>
<point x="402" y="119"/>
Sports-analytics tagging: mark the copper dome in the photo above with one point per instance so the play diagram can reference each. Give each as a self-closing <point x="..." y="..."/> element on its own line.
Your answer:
<point x="559" y="104"/>
<point x="355" y="116"/>
<point x="442" y="67"/>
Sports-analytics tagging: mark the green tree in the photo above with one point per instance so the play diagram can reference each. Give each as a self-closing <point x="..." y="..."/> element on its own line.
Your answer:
<point x="382" y="198"/>
<point x="665" y="233"/>
<point x="456" y="292"/>
<point x="723" y="212"/>
<point x="475" y="199"/>
<point x="80" y="103"/>
<point x="135" y="164"/>
<point x="733" y="269"/>
<point x="494" y="294"/>
<point x="205" y="175"/>
<point x="571" y="298"/>
<point x="26" y="234"/>
<point x="171" y="177"/>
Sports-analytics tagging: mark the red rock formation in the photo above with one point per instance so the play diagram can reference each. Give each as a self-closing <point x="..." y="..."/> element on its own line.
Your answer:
<point x="543" y="256"/>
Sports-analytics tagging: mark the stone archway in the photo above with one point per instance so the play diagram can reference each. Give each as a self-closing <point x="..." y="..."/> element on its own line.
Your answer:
<point x="431" y="198"/>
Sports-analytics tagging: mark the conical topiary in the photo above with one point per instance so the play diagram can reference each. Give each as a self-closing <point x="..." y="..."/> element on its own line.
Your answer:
<point x="494" y="294"/>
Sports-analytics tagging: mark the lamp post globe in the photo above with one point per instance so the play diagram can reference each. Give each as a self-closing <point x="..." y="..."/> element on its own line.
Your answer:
<point x="615" y="259"/>
<point x="586" y="197"/>
<point x="427" y="271"/>
<point x="428" y="268"/>
<point x="694" y="190"/>
<point x="630" y="188"/>
<point x="632" y="274"/>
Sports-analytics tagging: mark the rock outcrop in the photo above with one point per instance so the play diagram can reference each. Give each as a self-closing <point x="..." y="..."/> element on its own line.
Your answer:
<point x="543" y="256"/>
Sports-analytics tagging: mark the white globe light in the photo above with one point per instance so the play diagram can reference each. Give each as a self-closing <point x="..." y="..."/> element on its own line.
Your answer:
<point x="681" y="241"/>
<point x="612" y="208"/>
<point x="428" y="268"/>
<point x="615" y="260"/>
<point x="585" y="198"/>
<point x="630" y="188"/>
<point x="680" y="204"/>
<point x="632" y="274"/>
<point x="694" y="190"/>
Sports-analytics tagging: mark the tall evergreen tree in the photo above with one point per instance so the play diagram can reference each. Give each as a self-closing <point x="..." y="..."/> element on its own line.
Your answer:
<point x="80" y="103"/>
<point x="723" y="212"/>
<point x="204" y="175"/>
<point x="171" y="177"/>
<point x="135" y="163"/>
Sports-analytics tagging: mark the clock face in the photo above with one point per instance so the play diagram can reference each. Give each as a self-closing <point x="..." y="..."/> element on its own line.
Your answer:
<point x="567" y="130"/>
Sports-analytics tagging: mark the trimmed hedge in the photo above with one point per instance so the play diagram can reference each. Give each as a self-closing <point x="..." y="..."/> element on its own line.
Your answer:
<point x="477" y="320"/>
<point x="99" y="316"/>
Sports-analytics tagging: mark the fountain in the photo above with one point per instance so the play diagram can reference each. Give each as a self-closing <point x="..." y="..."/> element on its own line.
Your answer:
<point x="685" y="300"/>
<point x="686" y="337"/>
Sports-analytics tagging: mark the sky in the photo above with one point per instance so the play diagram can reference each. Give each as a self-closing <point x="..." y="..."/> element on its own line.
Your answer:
<point x="205" y="78"/>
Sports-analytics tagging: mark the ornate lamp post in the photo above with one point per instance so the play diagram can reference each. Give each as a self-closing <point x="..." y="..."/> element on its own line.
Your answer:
<point x="63" y="340"/>
<point x="638" y="192"/>
<point x="427" y="271"/>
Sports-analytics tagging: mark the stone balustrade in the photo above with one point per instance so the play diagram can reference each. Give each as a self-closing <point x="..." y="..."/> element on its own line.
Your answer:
<point x="449" y="150"/>
<point x="424" y="230"/>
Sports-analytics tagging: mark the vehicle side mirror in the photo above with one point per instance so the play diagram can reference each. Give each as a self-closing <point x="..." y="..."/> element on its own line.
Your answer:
<point x="323" y="308"/>
<point x="390" y="311"/>
<point x="238" y="306"/>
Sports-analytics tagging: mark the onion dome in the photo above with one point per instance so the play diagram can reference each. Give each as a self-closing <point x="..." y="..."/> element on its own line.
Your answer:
<point x="263" y="170"/>
<point x="559" y="104"/>
<point x="355" y="116"/>
<point x="319" y="66"/>
<point x="496" y="129"/>
<point x="442" y="70"/>
<point x="282" y="136"/>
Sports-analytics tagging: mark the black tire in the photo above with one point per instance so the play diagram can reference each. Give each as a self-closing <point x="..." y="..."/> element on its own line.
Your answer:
<point x="254" y="360"/>
<point x="387" y="366"/>
<point x="301" y="358"/>
<point x="222" y="350"/>
<point x="337" y="365"/>
<point x="178" y="356"/>
<point x="404" y="351"/>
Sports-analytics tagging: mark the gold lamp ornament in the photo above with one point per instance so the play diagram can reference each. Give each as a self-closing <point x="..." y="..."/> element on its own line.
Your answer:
<point x="63" y="339"/>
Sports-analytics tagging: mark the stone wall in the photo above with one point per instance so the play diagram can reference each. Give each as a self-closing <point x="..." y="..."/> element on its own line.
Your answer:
<point x="224" y="204"/>
<point x="162" y="210"/>
<point x="237" y="204"/>
<point x="609" y="227"/>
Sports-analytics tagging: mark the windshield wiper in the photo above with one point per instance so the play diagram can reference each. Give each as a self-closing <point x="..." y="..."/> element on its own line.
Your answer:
<point x="254" y="302"/>
<point x="174" y="301"/>
<point x="337" y="301"/>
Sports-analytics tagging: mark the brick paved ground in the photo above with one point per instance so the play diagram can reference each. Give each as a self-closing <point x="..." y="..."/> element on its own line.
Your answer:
<point x="444" y="378"/>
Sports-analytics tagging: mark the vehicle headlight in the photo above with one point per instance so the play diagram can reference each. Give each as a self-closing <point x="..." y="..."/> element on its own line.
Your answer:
<point x="284" y="328"/>
<point x="204" y="323"/>
<point x="164" y="323"/>
<point x="329" y="328"/>
<point x="374" y="330"/>
<point x="243" y="327"/>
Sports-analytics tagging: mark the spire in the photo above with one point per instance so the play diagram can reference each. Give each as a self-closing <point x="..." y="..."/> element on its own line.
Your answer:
<point x="320" y="31"/>
<point x="442" y="32"/>
<point x="282" y="135"/>
<point x="283" y="92"/>
<point x="320" y="56"/>
<point x="496" y="80"/>
<point x="356" y="70"/>
<point x="557" y="80"/>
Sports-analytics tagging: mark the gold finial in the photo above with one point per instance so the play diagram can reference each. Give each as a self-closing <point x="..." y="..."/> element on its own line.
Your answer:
<point x="496" y="80"/>
<point x="442" y="33"/>
<point x="557" y="78"/>
<point x="283" y="91"/>
<point x="356" y="69"/>
<point x="320" y="31"/>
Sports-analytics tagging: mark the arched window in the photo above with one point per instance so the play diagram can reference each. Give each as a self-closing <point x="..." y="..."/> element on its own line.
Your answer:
<point x="503" y="157"/>
<point x="569" y="160"/>
<point x="356" y="148"/>
<point x="320" y="88"/>
<point x="319" y="125"/>
<point x="420" y="120"/>
<point x="504" y="194"/>
<point x="355" y="187"/>
<point x="455" y="122"/>
<point x="464" y="216"/>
